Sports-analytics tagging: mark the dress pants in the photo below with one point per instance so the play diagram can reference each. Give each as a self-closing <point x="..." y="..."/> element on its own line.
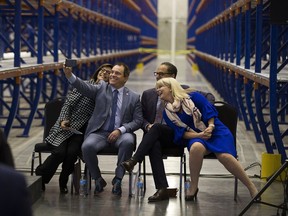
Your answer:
<point x="158" y="137"/>
<point x="97" y="141"/>
<point x="66" y="154"/>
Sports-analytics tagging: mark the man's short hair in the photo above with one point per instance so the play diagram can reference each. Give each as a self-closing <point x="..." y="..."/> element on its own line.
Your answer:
<point x="170" y="68"/>
<point x="126" y="68"/>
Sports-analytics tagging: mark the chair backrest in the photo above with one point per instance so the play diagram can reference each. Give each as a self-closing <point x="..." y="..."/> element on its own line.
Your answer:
<point x="51" y="114"/>
<point x="228" y="115"/>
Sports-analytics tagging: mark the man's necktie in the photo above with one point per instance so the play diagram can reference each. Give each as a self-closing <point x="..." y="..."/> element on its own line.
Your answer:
<point x="114" y="108"/>
<point x="159" y="111"/>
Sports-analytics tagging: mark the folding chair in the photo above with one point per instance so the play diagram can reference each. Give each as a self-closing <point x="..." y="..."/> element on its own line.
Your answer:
<point x="51" y="113"/>
<point x="228" y="115"/>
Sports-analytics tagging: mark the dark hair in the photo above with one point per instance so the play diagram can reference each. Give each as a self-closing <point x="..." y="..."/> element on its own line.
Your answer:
<point x="5" y="151"/>
<point x="170" y="68"/>
<point x="94" y="76"/>
<point x="126" y="68"/>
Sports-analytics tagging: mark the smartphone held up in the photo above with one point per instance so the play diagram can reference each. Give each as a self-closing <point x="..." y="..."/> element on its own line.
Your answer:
<point x="70" y="62"/>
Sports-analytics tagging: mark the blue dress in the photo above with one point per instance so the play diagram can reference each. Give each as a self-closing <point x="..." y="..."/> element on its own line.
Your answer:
<point x="221" y="141"/>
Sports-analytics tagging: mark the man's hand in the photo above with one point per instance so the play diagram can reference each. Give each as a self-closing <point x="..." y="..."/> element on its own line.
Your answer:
<point x="113" y="136"/>
<point x="67" y="72"/>
<point x="148" y="127"/>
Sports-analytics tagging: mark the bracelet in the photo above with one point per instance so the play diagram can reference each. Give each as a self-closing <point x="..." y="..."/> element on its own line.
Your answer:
<point x="211" y="125"/>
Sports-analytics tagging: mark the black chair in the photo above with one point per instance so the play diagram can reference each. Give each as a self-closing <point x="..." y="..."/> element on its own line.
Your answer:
<point x="110" y="151"/>
<point x="228" y="115"/>
<point x="51" y="113"/>
<point x="175" y="151"/>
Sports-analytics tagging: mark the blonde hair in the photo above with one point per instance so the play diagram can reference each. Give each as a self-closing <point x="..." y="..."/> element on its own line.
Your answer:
<point x="178" y="92"/>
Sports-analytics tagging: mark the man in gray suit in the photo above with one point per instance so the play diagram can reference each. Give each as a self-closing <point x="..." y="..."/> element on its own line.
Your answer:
<point x="109" y="125"/>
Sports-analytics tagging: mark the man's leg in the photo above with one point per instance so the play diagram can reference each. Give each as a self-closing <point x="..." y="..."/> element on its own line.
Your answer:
<point x="157" y="166"/>
<point x="149" y="139"/>
<point x="165" y="138"/>
<point x="90" y="147"/>
<point x="125" y="145"/>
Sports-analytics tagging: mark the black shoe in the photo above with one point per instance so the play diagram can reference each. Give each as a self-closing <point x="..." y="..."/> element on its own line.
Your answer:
<point x="64" y="190"/>
<point x="129" y="164"/>
<point x="116" y="190"/>
<point x="161" y="194"/>
<point x="100" y="183"/>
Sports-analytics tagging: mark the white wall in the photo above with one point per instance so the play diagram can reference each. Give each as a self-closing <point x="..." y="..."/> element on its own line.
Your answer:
<point x="172" y="25"/>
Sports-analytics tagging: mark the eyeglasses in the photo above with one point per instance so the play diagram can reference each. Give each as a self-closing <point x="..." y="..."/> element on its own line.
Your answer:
<point x="160" y="73"/>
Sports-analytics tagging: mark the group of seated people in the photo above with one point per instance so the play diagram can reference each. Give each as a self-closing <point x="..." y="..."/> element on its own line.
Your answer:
<point x="107" y="112"/>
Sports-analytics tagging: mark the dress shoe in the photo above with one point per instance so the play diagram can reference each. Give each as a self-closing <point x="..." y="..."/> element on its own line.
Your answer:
<point x="116" y="190"/>
<point x="100" y="183"/>
<point x="191" y="197"/>
<point x="129" y="164"/>
<point x="64" y="190"/>
<point x="161" y="194"/>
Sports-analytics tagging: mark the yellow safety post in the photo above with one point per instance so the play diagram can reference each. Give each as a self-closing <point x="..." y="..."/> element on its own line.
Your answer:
<point x="270" y="164"/>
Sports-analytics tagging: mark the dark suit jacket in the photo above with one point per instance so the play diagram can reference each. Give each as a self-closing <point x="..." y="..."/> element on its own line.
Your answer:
<point x="14" y="196"/>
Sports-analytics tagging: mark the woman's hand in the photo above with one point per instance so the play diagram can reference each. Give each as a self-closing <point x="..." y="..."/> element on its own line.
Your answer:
<point x="65" y="124"/>
<point x="206" y="134"/>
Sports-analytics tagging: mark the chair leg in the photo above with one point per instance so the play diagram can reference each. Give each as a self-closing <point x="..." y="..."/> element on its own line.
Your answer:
<point x="185" y="170"/>
<point x="235" y="189"/>
<point x="40" y="158"/>
<point x="32" y="163"/>
<point x="130" y="184"/>
<point x="144" y="174"/>
<point x="181" y="176"/>
<point x="76" y="176"/>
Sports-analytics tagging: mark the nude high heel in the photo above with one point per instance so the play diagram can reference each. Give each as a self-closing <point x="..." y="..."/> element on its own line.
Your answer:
<point x="192" y="197"/>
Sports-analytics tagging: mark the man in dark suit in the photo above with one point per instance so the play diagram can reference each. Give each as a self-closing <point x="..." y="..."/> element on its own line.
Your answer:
<point x="157" y="135"/>
<point x="117" y="114"/>
<point x="15" y="199"/>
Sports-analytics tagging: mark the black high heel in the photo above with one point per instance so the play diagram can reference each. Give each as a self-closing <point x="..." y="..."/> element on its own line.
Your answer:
<point x="192" y="197"/>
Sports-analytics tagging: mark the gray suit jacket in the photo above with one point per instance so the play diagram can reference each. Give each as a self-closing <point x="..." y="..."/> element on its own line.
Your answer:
<point x="131" y="111"/>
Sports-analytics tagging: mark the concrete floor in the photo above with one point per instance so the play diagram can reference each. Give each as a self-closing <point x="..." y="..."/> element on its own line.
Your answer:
<point x="216" y="187"/>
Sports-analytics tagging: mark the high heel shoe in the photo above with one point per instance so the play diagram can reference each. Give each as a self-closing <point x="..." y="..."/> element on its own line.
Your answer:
<point x="192" y="197"/>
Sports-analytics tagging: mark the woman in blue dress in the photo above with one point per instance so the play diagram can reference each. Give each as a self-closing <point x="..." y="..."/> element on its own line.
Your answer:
<point x="197" y="126"/>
